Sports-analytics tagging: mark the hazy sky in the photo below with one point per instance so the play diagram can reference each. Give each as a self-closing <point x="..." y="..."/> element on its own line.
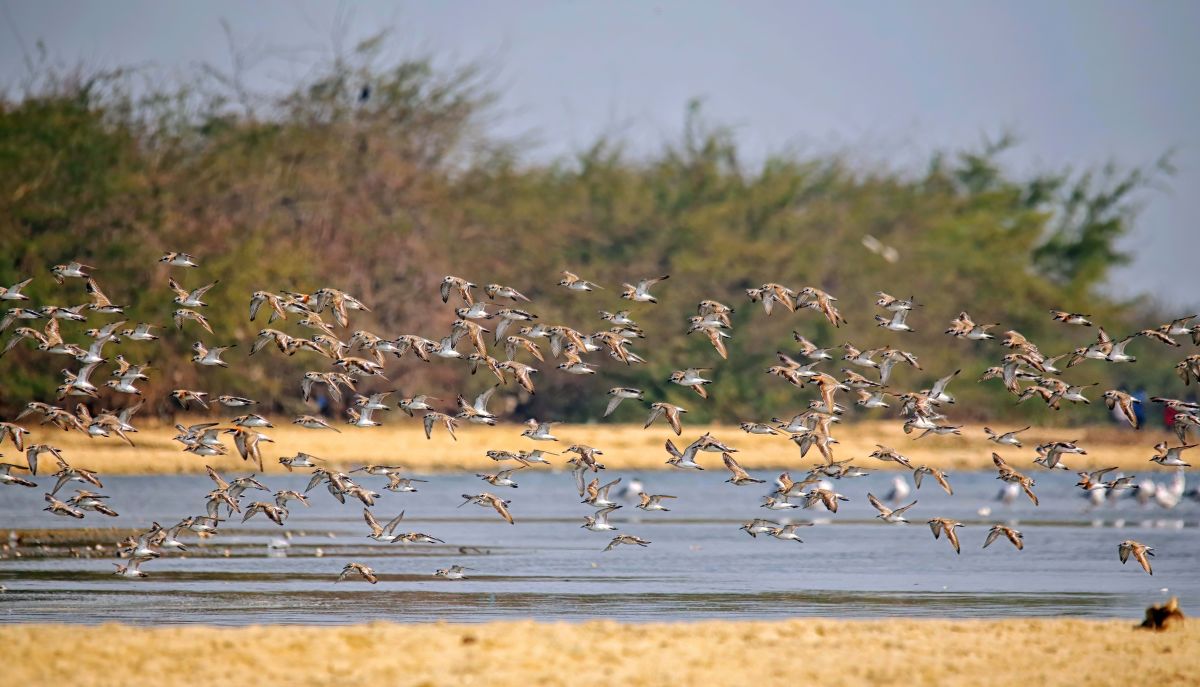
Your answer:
<point x="1081" y="82"/>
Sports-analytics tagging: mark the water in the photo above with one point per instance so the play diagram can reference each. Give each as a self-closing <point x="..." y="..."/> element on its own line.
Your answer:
<point x="700" y="565"/>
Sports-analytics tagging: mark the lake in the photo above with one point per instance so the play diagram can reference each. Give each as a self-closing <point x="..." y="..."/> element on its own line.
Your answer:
<point x="698" y="566"/>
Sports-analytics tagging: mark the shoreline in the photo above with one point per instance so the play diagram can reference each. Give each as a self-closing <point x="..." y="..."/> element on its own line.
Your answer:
<point x="625" y="447"/>
<point x="841" y="652"/>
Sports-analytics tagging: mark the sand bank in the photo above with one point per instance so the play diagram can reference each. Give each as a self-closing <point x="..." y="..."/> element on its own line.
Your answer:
<point x="825" y="652"/>
<point x="626" y="447"/>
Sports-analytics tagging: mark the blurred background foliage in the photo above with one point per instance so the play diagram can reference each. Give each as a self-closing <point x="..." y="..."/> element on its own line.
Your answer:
<point x="379" y="179"/>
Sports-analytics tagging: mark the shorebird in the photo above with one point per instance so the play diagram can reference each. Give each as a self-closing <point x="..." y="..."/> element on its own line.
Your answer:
<point x="15" y="433"/>
<point x="691" y="378"/>
<point x="502" y="478"/>
<point x="641" y="292"/>
<point x="887" y="454"/>
<point x="1012" y="535"/>
<point x="618" y="394"/>
<point x="598" y="521"/>
<point x="277" y="514"/>
<point x="130" y="570"/>
<point x="1005" y="439"/>
<point x="1008" y="474"/>
<point x="788" y="532"/>
<point x="13" y="293"/>
<point x="759" y="526"/>
<point x="575" y="283"/>
<point x="489" y="501"/>
<point x="1139" y="551"/>
<point x="1170" y="456"/>
<point x="382" y="533"/>
<point x="886" y="514"/>
<point x="357" y="570"/>
<point x="1070" y="318"/>
<point x="597" y="495"/>
<point x="418" y="402"/>
<point x="87" y="500"/>
<point x="946" y="526"/>
<point x="210" y="356"/>
<point x="300" y="460"/>
<point x="1093" y="480"/>
<point x="71" y="270"/>
<point x="538" y="431"/>
<point x="62" y="508"/>
<point x="669" y="411"/>
<point x="649" y="501"/>
<point x="625" y="539"/>
<point x="312" y="422"/>
<point x="685" y="459"/>
<point x="739" y="476"/>
<point x="7" y="478"/>
<point x="897" y="322"/>
<point x="454" y="572"/>
<point x="922" y="470"/>
<point x="178" y="259"/>
<point x="774" y="502"/>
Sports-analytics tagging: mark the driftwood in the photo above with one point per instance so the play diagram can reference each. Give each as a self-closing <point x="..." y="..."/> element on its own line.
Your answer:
<point x="1161" y="616"/>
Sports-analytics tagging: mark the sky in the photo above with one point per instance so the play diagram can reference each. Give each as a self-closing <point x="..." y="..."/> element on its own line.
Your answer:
<point x="1080" y="82"/>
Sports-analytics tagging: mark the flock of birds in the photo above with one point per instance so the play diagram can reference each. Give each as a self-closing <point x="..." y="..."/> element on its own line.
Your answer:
<point x="1024" y="371"/>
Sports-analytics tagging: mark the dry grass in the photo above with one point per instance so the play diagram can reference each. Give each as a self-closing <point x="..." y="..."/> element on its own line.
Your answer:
<point x="626" y="447"/>
<point x="876" y="653"/>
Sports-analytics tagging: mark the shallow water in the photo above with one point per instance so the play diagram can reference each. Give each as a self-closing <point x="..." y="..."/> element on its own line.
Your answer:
<point x="699" y="565"/>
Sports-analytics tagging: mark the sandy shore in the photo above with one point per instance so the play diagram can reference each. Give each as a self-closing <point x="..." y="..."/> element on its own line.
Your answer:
<point x="626" y="447"/>
<point x="825" y="652"/>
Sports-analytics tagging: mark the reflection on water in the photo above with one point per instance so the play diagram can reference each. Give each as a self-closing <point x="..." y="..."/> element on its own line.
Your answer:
<point x="700" y="565"/>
